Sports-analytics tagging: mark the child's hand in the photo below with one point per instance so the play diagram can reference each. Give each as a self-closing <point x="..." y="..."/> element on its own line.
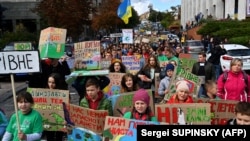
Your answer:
<point x="166" y="92"/>
<point x="22" y="136"/>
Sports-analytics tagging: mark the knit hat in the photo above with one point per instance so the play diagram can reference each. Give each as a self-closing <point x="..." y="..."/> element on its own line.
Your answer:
<point x="182" y="85"/>
<point x="142" y="95"/>
<point x="169" y="67"/>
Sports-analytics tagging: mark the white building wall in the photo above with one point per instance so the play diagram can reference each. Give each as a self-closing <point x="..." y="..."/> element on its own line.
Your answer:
<point x="242" y="10"/>
<point x="211" y="7"/>
<point x="229" y="8"/>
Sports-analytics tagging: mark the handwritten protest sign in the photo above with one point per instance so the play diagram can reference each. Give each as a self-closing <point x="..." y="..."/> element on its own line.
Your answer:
<point x="23" y="46"/>
<point x="49" y="103"/>
<point x="124" y="102"/>
<point x="187" y="63"/>
<point x="157" y="83"/>
<point x="52" y="42"/>
<point x="183" y="114"/>
<point x="119" y="129"/>
<point x="82" y="134"/>
<point x="221" y="110"/>
<point x="192" y="80"/>
<point x="132" y="63"/>
<point x="87" y="55"/>
<point x="114" y="86"/>
<point x="87" y="118"/>
<point x="105" y="63"/>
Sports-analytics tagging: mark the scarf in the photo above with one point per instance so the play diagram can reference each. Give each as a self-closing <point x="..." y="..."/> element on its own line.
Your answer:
<point x="142" y="116"/>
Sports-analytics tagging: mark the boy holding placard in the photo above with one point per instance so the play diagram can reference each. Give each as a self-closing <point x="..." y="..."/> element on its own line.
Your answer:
<point x="95" y="98"/>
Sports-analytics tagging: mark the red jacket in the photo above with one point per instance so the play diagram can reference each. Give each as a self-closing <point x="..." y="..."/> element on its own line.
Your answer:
<point x="174" y="99"/>
<point x="233" y="88"/>
<point x="94" y="104"/>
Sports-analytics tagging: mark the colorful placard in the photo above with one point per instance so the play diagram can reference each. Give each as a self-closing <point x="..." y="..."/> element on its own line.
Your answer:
<point x="49" y="103"/>
<point x="23" y="46"/>
<point x="87" y="55"/>
<point x="184" y="114"/>
<point x="221" y="110"/>
<point x="132" y="63"/>
<point x="52" y="42"/>
<point x="121" y="129"/>
<point x="82" y="134"/>
<point x="87" y="118"/>
<point x="114" y="86"/>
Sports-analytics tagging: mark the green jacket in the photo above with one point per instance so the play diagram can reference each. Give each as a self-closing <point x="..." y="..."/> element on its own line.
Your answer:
<point x="128" y="115"/>
<point x="104" y="104"/>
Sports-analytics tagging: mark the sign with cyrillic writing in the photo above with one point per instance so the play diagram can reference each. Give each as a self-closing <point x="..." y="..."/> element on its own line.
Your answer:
<point x="23" y="46"/>
<point x="19" y="62"/>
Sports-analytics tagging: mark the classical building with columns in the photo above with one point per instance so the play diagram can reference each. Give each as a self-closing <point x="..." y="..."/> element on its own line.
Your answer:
<point x="216" y="9"/>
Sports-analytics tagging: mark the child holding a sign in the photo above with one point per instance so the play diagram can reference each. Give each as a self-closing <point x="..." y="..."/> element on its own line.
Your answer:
<point x="95" y="98"/>
<point x="129" y="83"/>
<point x="29" y="120"/>
<point x="141" y="109"/>
<point x="242" y="114"/>
<point x="182" y="93"/>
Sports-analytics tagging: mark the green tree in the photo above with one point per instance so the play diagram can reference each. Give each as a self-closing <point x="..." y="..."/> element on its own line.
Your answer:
<point x="69" y="14"/>
<point x="20" y="34"/>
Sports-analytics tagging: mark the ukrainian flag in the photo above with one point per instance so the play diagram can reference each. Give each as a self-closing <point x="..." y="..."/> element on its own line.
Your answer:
<point x="124" y="11"/>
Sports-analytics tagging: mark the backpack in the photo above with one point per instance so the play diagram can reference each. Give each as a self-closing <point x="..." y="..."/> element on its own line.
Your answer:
<point x="245" y="77"/>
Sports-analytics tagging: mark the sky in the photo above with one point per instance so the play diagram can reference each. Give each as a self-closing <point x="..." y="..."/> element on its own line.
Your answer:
<point x="141" y="6"/>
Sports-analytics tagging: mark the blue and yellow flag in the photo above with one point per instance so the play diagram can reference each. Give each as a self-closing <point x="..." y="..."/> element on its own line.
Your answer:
<point x="124" y="11"/>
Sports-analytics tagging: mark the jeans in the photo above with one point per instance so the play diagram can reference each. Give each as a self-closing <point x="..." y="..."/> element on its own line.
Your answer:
<point x="202" y="92"/>
<point x="217" y="69"/>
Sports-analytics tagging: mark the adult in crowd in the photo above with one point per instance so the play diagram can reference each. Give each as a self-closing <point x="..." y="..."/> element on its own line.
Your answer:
<point x="205" y="71"/>
<point x="146" y="74"/>
<point x="117" y="66"/>
<point x="216" y="51"/>
<point x="234" y="87"/>
<point x="129" y="83"/>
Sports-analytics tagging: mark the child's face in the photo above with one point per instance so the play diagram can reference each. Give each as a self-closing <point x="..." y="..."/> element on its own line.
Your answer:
<point x="242" y="119"/>
<point x="169" y="73"/>
<point x="51" y="83"/>
<point x="24" y="106"/>
<point x="92" y="91"/>
<point x="182" y="94"/>
<point x="117" y="67"/>
<point x="140" y="106"/>
<point x="129" y="82"/>
<point x="212" y="89"/>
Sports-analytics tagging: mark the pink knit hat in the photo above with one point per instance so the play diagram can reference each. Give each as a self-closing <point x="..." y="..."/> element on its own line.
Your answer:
<point x="142" y="95"/>
<point x="182" y="85"/>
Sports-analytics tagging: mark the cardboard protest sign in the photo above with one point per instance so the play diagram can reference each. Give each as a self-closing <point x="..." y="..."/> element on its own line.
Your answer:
<point x="105" y="63"/>
<point x="221" y="110"/>
<point x="118" y="129"/>
<point x="187" y="63"/>
<point x="49" y="103"/>
<point x="87" y="55"/>
<point x="114" y="86"/>
<point x="52" y="42"/>
<point x="19" y="62"/>
<point x="23" y="46"/>
<point x="192" y="80"/>
<point x="87" y="118"/>
<point x="184" y="113"/>
<point x="127" y="36"/>
<point x="157" y="83"/>
<point x="123" y="102"/>
<point x="82" y="134"/>
<point x="132" y="63"/>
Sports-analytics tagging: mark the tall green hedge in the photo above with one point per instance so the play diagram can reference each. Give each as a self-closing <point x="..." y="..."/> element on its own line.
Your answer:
<point x="235" y="31"/>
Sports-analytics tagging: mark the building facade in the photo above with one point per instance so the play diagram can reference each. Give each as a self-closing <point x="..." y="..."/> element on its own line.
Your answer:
<point x="191" y="10"/>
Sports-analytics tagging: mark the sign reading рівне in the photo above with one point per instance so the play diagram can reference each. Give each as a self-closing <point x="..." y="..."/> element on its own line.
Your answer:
<point x="19" y="62"/>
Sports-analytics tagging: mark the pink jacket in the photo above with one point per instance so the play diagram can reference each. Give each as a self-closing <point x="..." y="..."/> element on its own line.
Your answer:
<point x="234" y="87"/>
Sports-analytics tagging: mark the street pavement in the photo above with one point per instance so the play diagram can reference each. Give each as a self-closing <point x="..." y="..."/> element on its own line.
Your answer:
<point x="6" y="94"/>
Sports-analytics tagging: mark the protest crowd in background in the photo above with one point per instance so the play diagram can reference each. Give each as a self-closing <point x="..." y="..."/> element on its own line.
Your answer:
<point x="129" y="83"/>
